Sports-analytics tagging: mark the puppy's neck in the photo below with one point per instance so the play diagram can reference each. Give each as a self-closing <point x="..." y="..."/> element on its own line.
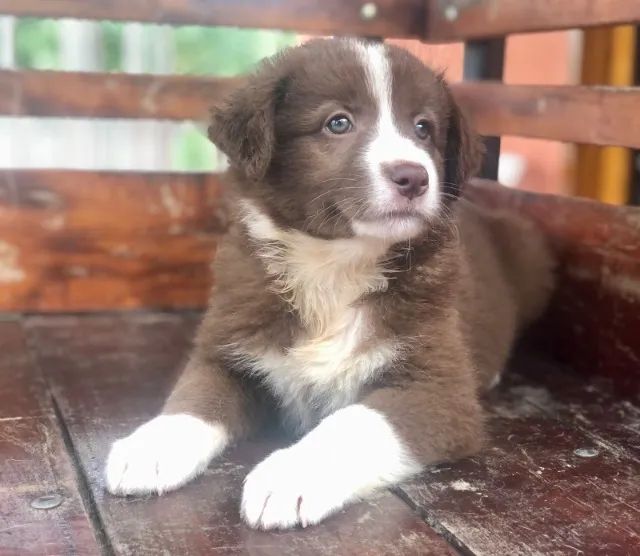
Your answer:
<point x="319" y="278"/>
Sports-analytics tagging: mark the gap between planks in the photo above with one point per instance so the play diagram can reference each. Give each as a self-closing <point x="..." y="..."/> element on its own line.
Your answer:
<point x="82" y="484"/>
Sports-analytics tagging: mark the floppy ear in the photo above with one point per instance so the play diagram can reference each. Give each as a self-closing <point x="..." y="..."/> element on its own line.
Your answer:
<point x="243" y="127"/>
<point x="463" y="151"/>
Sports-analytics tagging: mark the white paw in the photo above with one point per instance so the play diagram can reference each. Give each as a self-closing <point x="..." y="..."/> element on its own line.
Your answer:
<point x="162" y="454"/>
<point x="348" y="455"/>
<point x="287" y="489"/>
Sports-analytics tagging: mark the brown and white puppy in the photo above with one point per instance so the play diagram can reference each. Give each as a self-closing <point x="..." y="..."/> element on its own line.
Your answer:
<point x="354" y="298"/>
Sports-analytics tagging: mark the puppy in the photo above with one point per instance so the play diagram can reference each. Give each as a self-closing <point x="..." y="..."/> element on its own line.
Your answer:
<point x="356" y="300"/>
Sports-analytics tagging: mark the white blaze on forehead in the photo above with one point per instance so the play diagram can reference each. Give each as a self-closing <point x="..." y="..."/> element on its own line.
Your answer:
<point x="388" y="144"/>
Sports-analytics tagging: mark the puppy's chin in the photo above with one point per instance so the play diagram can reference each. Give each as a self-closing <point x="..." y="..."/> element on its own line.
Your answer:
<point x="392" y="228"/>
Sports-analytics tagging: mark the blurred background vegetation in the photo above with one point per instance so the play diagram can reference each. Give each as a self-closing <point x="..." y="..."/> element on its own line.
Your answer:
<point x="139" y="48"/>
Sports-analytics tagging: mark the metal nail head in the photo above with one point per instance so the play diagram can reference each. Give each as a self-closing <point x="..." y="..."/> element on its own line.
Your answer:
<point x="586" y="452"/>
<point x="47" y="501"/>
<point x="451" y="13"/>
<point x="368" y="11"/>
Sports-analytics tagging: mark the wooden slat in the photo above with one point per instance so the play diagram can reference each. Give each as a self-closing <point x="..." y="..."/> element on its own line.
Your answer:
<point x="454" y="20"/>
<point x="109" y="95"/>
<point x="393" y="18"/>
<point x="580" y="114"/>
<point x="572" y="114"/>
<point x="594" y="319"/>
<point x="74" y="241"/>
<point x="34" y="462"/>
<point x="530" y="492"/>
<point x="110" y="373"/>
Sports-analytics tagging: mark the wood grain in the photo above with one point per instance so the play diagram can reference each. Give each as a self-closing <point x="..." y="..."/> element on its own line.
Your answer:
<point x="34" y="462"/>
<point x="530" y="492"/>
<point x="393" y="18"/>
<point x="455" y="20"/>
<point x="597" y="115"/>
<point x="594" y="320"/>
<point x="109" y="374"/>
<point x="73" y="241"/>
<point x="110" y="95"/>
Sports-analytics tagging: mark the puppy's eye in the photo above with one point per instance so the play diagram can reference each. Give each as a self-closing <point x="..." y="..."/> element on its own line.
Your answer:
<point x="423" y="128"/>
<point x="339" y="124"/>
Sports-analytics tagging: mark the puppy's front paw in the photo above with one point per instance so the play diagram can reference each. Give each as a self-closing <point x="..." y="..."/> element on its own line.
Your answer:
<point x="162" y="454"/>
<point x="289" y="488"/>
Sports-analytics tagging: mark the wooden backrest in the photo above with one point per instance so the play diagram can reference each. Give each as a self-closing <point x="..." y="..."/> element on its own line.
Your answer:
<point x="72" y="241"/>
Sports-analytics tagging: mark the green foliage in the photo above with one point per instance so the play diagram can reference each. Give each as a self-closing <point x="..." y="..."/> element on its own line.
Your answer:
<point x="36" y="44"/>
<point x="191" y="150"/>
<point x="221" y="51"/>
<point x="112" y="41"/>
<point x="225" y="51"/>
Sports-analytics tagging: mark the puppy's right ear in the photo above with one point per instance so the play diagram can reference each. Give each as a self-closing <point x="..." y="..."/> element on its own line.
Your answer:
<point x="243" y="127"/>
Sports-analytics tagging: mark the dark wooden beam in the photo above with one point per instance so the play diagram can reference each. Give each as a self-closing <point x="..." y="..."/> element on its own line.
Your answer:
<point x="484" y="59"/>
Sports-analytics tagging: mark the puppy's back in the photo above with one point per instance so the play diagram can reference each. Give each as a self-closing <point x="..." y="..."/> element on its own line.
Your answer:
<point x="507" y="282"/>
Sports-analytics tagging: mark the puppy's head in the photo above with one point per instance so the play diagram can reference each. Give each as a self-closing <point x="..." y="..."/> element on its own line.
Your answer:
<point x="340" y="138"/>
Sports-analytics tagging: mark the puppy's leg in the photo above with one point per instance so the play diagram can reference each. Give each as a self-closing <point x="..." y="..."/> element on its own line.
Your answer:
<point x="203" y="414"/>
<point x="388" y="437"/>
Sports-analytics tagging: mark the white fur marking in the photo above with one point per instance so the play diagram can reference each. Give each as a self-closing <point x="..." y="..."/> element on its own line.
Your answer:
<point x="322" y="279"/>
<point x="348" y="455"/>
<point x="388" y="146"/>
<point x="319" y="277"/>
<point x="163" y="454"/>
<point x="495" y="381"/>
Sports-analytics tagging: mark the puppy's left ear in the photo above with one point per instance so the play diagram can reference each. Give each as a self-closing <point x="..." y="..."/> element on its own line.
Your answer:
<point x="463" y="152"/>
<point x="243" y="127"/>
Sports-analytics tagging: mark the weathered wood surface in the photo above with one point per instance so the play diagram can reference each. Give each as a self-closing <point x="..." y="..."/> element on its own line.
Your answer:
<point x="109" y="374"/>
<point x="597" y="115"/>
<point x="34" y="462"/>
<point x="594" y="408"/>
<point x="594" y="320"/>
<point x="455" y="20"/>
<point x="533" y="491"/>
<point x="75" y="240"/>
<point x="391" y="18"/>
<point x="110" y="95"/>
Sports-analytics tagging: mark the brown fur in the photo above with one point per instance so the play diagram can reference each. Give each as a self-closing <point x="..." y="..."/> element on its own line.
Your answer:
<point x="455" y="298"/>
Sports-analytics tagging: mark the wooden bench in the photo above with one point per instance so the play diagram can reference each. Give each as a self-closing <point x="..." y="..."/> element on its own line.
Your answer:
<point x="562" y="475"/>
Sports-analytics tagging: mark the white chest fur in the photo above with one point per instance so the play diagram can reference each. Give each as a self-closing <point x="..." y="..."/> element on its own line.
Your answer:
<point x="335" y="353"/>
<point x="321" y="374"/>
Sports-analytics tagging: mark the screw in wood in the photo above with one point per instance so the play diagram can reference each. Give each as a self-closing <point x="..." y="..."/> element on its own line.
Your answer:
<point x="368" y="11"/>
<point x="47" y="501"/>
<point x="586" y="452"/>
<point x="451" y="13"/>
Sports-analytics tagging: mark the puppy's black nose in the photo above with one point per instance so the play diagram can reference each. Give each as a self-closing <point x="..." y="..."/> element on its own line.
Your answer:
<point x="411" y="179"/>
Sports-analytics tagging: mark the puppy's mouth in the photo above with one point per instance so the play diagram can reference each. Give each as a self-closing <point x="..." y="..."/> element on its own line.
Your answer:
<point x="393" y="214"/>
<point x="396" y="214"/>
<point x="394" y="225"/>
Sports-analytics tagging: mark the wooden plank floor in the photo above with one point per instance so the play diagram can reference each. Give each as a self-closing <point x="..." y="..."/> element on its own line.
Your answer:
<point x="34" y="462"/>
<point x="70" y="385"/>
